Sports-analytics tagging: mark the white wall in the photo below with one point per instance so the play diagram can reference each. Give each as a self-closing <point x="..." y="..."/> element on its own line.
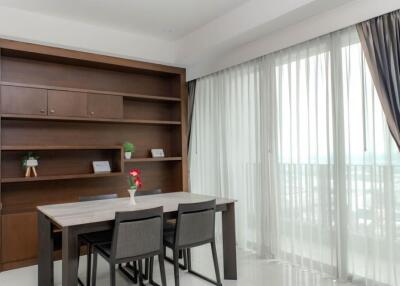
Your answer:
<point x="53" y="31"/>
<point x="323" y="23"/>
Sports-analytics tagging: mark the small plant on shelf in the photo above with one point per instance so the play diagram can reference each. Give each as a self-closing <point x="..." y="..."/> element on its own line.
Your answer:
<point x="129" y="149"/>
<point x="135" y="183"/>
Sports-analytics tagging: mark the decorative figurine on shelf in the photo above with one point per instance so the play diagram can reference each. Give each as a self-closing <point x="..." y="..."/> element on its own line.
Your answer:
<point x="129" y="149"/>
<point x="135" y="183"/>
<point x="30" y="162"/>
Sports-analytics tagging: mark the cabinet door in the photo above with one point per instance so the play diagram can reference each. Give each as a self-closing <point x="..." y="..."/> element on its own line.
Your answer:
<point x="105" y="106"/>
<point x="67" y="103"/>
<point x="22" y="100"/>
<point x="19" y="237"/>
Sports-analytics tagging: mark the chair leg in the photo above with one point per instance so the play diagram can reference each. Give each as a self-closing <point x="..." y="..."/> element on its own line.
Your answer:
<point x="140" y="272"/>
<point x="176" y="266"/>
<point x="112" y="275"/>
<point x="146" y="268"/>
<point x="189" y="259"/>
<point x="185" y="262"/>
<point x="215" y="258"/>
<point x="151" y="270"/>
<point x="89" y="264"/>
<point x="94" y="270"/>
<point x="162" y="270"/>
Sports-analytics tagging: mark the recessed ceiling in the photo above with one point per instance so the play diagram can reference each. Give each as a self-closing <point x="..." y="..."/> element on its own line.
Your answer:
<point x="167" y="19"/>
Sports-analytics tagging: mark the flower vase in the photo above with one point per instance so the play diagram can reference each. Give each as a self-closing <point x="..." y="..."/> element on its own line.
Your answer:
<point x="128" y="155"/>
<point x="132" y="193"/>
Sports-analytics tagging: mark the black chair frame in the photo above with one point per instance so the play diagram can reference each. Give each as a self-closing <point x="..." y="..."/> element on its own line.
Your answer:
<point x="176" y="247"/>
<point x="123" y="217"/>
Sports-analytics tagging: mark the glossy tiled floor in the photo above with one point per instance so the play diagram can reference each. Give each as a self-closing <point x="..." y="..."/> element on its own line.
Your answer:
<point x="251" y="271"/>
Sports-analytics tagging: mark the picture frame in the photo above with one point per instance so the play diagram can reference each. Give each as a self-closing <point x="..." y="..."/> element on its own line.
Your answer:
<point x="100" y="167"/>
<point x="157" y="153"/>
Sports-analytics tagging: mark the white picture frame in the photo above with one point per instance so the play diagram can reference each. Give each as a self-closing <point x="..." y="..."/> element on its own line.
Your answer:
<point x="157" y="153"/>
<point x="101" y="167"/>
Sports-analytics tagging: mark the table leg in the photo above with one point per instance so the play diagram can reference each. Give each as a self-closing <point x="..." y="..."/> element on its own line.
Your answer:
<point x="45" y="251"/>
<point x="229" y="242"/>
<point x="69" y="256"/>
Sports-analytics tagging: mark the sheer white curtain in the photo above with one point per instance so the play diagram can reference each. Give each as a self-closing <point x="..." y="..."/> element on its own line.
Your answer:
<point x="298" y="137"/>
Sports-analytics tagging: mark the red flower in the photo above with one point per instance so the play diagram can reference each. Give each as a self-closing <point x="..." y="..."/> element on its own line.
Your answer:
<point x="138" y="182"/>
<point x="134" y="172"/>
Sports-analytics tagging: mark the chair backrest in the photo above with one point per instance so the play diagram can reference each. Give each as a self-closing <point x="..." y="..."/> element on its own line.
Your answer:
<point x="195" y="224"/>
<point x="98" y="198"/>
<point x="145" y="193"/>
<point x="137" y="233"/>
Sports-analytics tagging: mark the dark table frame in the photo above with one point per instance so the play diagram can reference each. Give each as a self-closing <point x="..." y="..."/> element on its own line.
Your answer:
<point x="70" y="246"/>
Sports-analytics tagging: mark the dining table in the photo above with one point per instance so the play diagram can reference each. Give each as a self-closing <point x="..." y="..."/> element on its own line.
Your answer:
<point x="77" y="218"/>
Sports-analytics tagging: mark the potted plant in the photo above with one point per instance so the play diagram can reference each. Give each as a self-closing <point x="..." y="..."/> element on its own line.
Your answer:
<point x="129" y="148"/>
<point x="135" y="183"/>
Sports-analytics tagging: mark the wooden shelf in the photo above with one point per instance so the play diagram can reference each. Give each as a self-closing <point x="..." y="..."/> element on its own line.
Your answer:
<point x="140" y="160"/>
<point x="46" y="147"/>
<point x="124" y="94"/>
<point x="88" y="119"/>
<point x="59" y="177"/>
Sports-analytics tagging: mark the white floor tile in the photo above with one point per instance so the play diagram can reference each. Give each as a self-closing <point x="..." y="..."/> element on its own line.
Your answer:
<point x="251" y="271"/>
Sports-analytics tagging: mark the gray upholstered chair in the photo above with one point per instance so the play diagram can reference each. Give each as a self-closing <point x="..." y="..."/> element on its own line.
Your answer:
<point x="92" y="239"/>
<point x="195" y="226"/>
<point x="134" y="265"/>
<point x="137" y="235"/>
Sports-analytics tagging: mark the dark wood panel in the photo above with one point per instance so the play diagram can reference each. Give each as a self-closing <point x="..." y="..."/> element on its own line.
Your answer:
<point x="66" y="103"/>
<point x="58" y="162"/>
<point x="46" y="53"/>
<point x="80" y="133"/>
<point x="19" y="236"/>
<point x="21" y="100"/>
<point x="105" y="106"/>
<point x="137" y="109"/>
<point x="48" y="73"/>
<point x="132" y="101"/>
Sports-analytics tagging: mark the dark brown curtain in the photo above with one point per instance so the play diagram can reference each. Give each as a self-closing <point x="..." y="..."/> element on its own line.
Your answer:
<point x="380" y="40"/>
<point x="191" y="94"/>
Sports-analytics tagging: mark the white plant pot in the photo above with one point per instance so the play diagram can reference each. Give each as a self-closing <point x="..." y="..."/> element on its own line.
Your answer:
<point x="128" y="155"/>
<point x="132" y="200"/>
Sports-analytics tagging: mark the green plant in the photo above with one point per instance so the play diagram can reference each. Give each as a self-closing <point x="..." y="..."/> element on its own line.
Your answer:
<point x="129" y="147"/>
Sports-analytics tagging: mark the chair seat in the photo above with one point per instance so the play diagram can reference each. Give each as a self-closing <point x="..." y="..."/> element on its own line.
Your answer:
<point x="97" y="237"/>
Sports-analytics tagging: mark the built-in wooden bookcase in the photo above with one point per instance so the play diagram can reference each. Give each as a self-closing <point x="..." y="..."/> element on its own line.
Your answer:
<point x="70" y="109"/>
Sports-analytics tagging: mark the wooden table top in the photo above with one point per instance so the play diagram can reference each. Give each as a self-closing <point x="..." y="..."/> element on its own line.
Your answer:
<point x="71" y="214"/>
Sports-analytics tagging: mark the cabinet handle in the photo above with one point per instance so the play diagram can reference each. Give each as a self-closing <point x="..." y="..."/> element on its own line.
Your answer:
<point x="42" y="111"/>
<point x="91" y="112"/>
<point x="52" y="111"/>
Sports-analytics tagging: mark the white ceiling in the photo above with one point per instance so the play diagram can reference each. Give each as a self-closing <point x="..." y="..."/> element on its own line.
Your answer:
<point x="203" y="36"/>
<point x="166" y="19"/>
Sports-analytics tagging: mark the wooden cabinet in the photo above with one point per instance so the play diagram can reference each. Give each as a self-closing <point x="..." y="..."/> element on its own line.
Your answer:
<point x="19" y="237"/>
<point x="105" y="106"/>
<point x="22" y="100"/>
<point x="67" y="103"/>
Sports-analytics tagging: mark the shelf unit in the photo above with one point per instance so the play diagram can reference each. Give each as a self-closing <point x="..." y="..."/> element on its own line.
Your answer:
<point x="50" y="160"/>
<point x="83" y="119"/>
<point x="71" y="108"/>
<point x="124" y="94"/>
<point x="149" y="160"/>
<point x="59" y="177"/>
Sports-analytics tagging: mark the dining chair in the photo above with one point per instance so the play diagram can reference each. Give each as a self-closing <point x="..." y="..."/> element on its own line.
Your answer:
<point x="92" y="239"/>
<point x="169" y="225"/>
<point x="137" y="235"/>
<point x="195" y="226"/>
